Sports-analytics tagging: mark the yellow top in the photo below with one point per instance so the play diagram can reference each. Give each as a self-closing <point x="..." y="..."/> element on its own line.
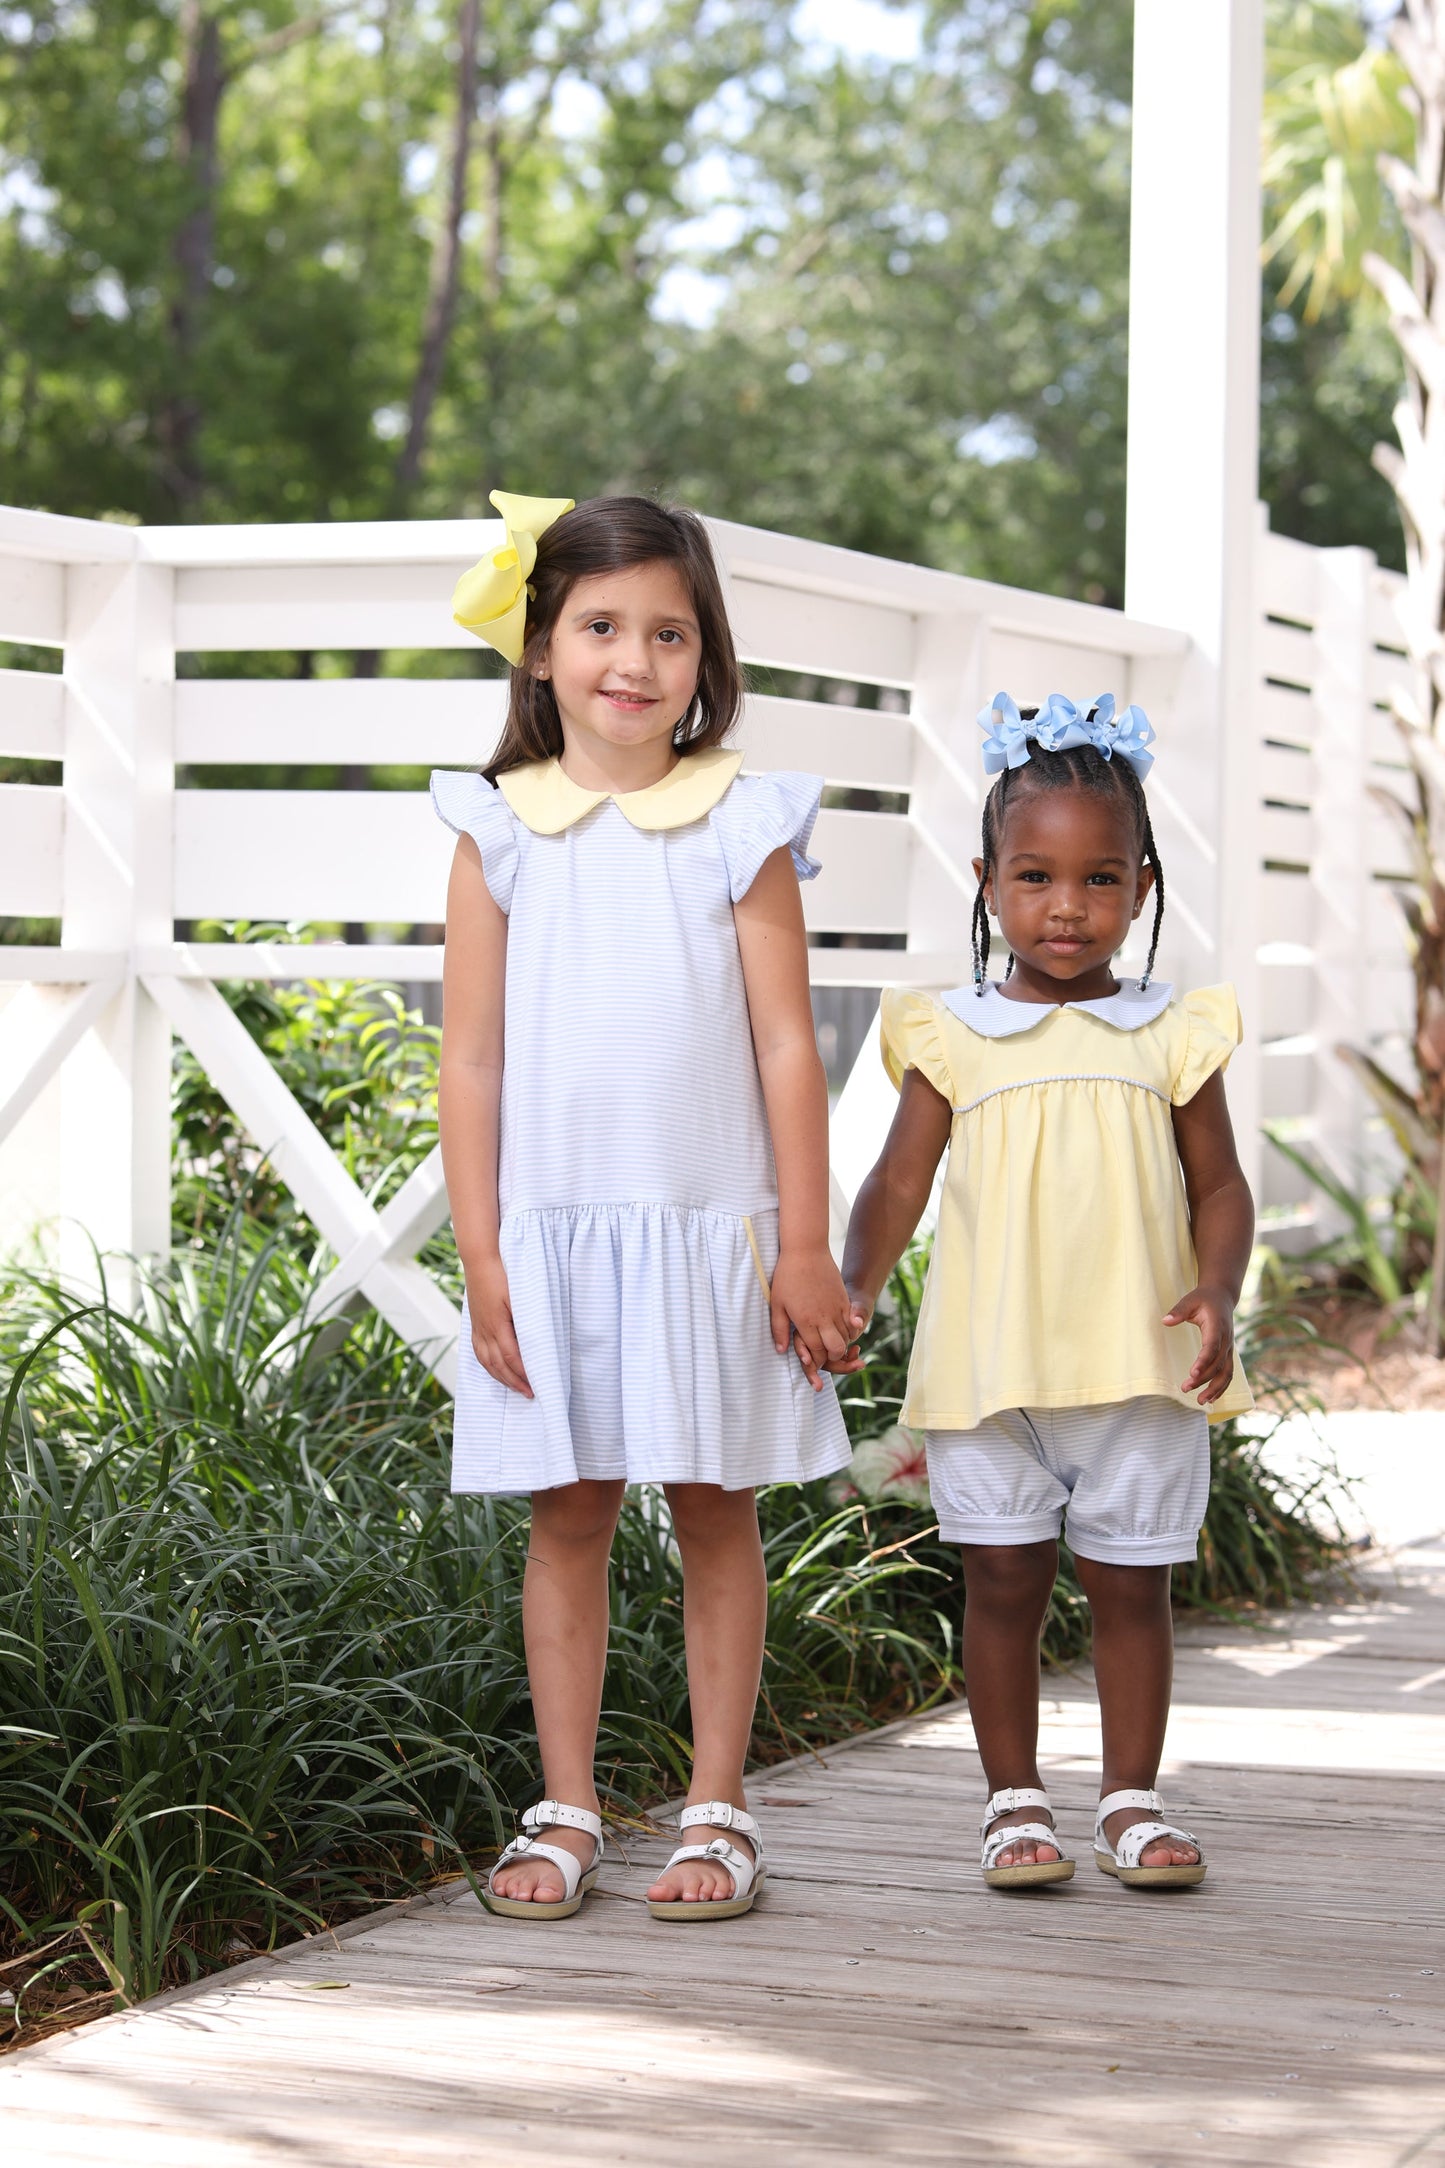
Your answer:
<point x="544" y="797"/>
<point x="1063" y="1231"/>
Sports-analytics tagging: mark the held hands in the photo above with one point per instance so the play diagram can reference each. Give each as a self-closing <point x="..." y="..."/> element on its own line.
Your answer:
<point x="1211" y="1309"/>
<point x="494" y="1336"/>
<point x="810" y="1307"/>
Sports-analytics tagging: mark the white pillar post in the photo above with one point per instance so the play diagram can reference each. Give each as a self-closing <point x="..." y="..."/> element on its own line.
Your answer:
<point x="119" y="780"/>
<point x="1339" y="862"/>
<point x="1194" y="286"/>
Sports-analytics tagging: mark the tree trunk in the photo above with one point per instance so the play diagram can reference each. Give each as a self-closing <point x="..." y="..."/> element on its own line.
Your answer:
<point x="445" y="281"/>
<point x="203" y="85"/>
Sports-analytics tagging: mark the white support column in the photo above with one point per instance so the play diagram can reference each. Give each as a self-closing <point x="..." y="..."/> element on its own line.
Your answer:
<point x="1193" y="440"/>
<point x="119" y="789"/>
<point x="1339" y="859"/>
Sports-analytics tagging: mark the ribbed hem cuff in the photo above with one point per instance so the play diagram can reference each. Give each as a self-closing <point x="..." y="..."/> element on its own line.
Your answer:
<point x="1179" y="1549"/>
<point x="1030" y="1528"/>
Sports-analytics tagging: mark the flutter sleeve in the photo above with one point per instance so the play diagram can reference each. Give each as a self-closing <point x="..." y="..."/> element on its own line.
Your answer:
<point x="476" y="808"/>
<point x="1212" y="1032"/>
<point x="912" y="1039"/>
<point x="758" y="816"/>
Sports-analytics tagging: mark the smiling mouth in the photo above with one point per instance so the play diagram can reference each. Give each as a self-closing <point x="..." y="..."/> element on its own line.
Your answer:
<point x="630" y="700"/>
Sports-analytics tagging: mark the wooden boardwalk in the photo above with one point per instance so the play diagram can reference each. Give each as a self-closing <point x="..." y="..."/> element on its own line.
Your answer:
<point x="880" y="2004"/>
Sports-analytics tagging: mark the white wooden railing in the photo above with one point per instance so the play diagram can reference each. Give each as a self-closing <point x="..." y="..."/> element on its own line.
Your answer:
<point x="117" y="853"/>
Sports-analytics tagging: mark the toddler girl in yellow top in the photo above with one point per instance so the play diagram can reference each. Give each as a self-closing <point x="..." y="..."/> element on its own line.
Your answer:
<point x="1077" y="1330"/>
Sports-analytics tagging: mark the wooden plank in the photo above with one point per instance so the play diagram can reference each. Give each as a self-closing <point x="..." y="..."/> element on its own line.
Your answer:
<point x="455" y="722"/>
<point x="448" y="722"/>
<point x="32" y="826"/>
<point x="862" y="748"/>
<point x="1286" y="574"/>
<point x="866" y="2010"/>
<point x="1283" y="713"/>
<point x="1287" y="654"/>
<point x="1031" y="666"/>
<point x="32" y="602"/>
<point x="32" y="712"/>
<point x="792" y="630"/>
<point x="383" y="856"/>
<point x="244" y="609"/>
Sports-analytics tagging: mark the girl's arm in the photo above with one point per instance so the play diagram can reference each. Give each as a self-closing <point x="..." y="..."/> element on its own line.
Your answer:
<point x="1221" y="1215"/>
<point x="809" y="1299"/>
<point x="469" y="1098"/>
<point x="890" y="1203"/>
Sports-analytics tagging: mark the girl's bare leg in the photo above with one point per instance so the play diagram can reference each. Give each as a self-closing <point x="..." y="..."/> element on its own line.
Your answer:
<point x="564" y="1621"/>
<point x="1134" y="1672"/>
<point x="1007" y="1590"/>
<point x="725" y="1605"/>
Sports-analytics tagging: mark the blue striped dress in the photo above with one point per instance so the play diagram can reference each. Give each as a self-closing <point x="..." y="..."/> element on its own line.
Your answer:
<point x="639" y="1203"/>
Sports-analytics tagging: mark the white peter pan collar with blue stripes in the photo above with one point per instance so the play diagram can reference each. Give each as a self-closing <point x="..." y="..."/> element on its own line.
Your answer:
<point x="993" y="1016"/>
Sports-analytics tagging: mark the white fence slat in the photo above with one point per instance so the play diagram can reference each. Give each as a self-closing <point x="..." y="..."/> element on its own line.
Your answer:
<point x="863" y="887"/>
<point x="1286" y="912"/>
<point x="32" y="711"/>
<point x="243" y="609"/>
<point x="455" y="722"/>
<point x="792" y="630"/>
<point x="434" y="722"/>
<point x="1286" y="653"/>
<point x="1031" y="668"/>
<point x="862" y="748"/>
<point x="1286" y="774"/>
<point x="55" y="538"/>
<point x="1383" y="673"/>
<point x="310" y="854"/>
<point x="383" y="856"/>
<point x="1285" y="835"/>
<point x="58" y="966"/>
<point x="32" y="602"/>
<point x="1286" y="572"/>
<point x="32" y="828"/>
<point x="1289" y="717"/>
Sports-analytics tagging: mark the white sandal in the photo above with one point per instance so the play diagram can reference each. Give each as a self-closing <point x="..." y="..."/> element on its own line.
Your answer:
<point x="999" y="1840"/>
<point x="747" y="1875"/>
<point x="577" y="1880"/>
<point x="1122" y="1860"/>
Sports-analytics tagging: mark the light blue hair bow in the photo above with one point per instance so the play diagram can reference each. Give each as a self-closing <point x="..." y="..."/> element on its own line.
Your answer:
<point x="1060" y="725"/>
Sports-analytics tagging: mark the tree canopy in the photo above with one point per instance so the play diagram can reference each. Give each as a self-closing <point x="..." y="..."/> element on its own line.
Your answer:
<point x="272" y="261"/>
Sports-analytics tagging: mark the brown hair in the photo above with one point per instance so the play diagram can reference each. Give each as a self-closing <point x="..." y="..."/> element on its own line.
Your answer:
<point x="610" y="534"/>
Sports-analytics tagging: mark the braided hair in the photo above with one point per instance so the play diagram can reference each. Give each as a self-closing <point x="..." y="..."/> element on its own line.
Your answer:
<point x="1081" y="767"/>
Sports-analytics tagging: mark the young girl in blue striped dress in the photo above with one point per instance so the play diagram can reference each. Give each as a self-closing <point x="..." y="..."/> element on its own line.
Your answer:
<point x="634" y="1128"/>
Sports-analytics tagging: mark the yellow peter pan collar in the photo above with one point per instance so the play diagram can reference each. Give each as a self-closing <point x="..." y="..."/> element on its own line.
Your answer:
<point x="547" y="800"/>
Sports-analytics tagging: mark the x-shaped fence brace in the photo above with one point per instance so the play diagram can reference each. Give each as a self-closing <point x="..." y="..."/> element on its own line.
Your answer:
<point x="376" y="1250"/>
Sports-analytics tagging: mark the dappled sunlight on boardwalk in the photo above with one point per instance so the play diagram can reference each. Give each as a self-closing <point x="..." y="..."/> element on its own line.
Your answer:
<point x="880" y="2004"/>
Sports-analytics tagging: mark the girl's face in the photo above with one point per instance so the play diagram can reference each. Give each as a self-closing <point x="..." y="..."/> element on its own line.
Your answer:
<point x="624" y="656"/>
<point x="1067" y="883"/>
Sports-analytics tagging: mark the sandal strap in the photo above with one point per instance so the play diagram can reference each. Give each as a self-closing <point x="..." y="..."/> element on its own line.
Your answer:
<point x="552" y="1814"/>
<point x="999" y="1840"/>
<point x="1113" y="1801"/>
<point x="1010" y="1799"/>
<point x="1132" y="1843"/>
<point x="721" y="1814"/>
<point x="568" y="1865"/>
<point x="742" y="1870"/>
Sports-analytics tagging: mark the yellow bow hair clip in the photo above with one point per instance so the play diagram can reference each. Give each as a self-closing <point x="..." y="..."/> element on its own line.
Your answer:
<point x="491" y="599"/>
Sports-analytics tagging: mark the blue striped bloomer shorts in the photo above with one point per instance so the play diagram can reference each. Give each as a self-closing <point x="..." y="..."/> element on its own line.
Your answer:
<point x="1126" y="1482"/>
